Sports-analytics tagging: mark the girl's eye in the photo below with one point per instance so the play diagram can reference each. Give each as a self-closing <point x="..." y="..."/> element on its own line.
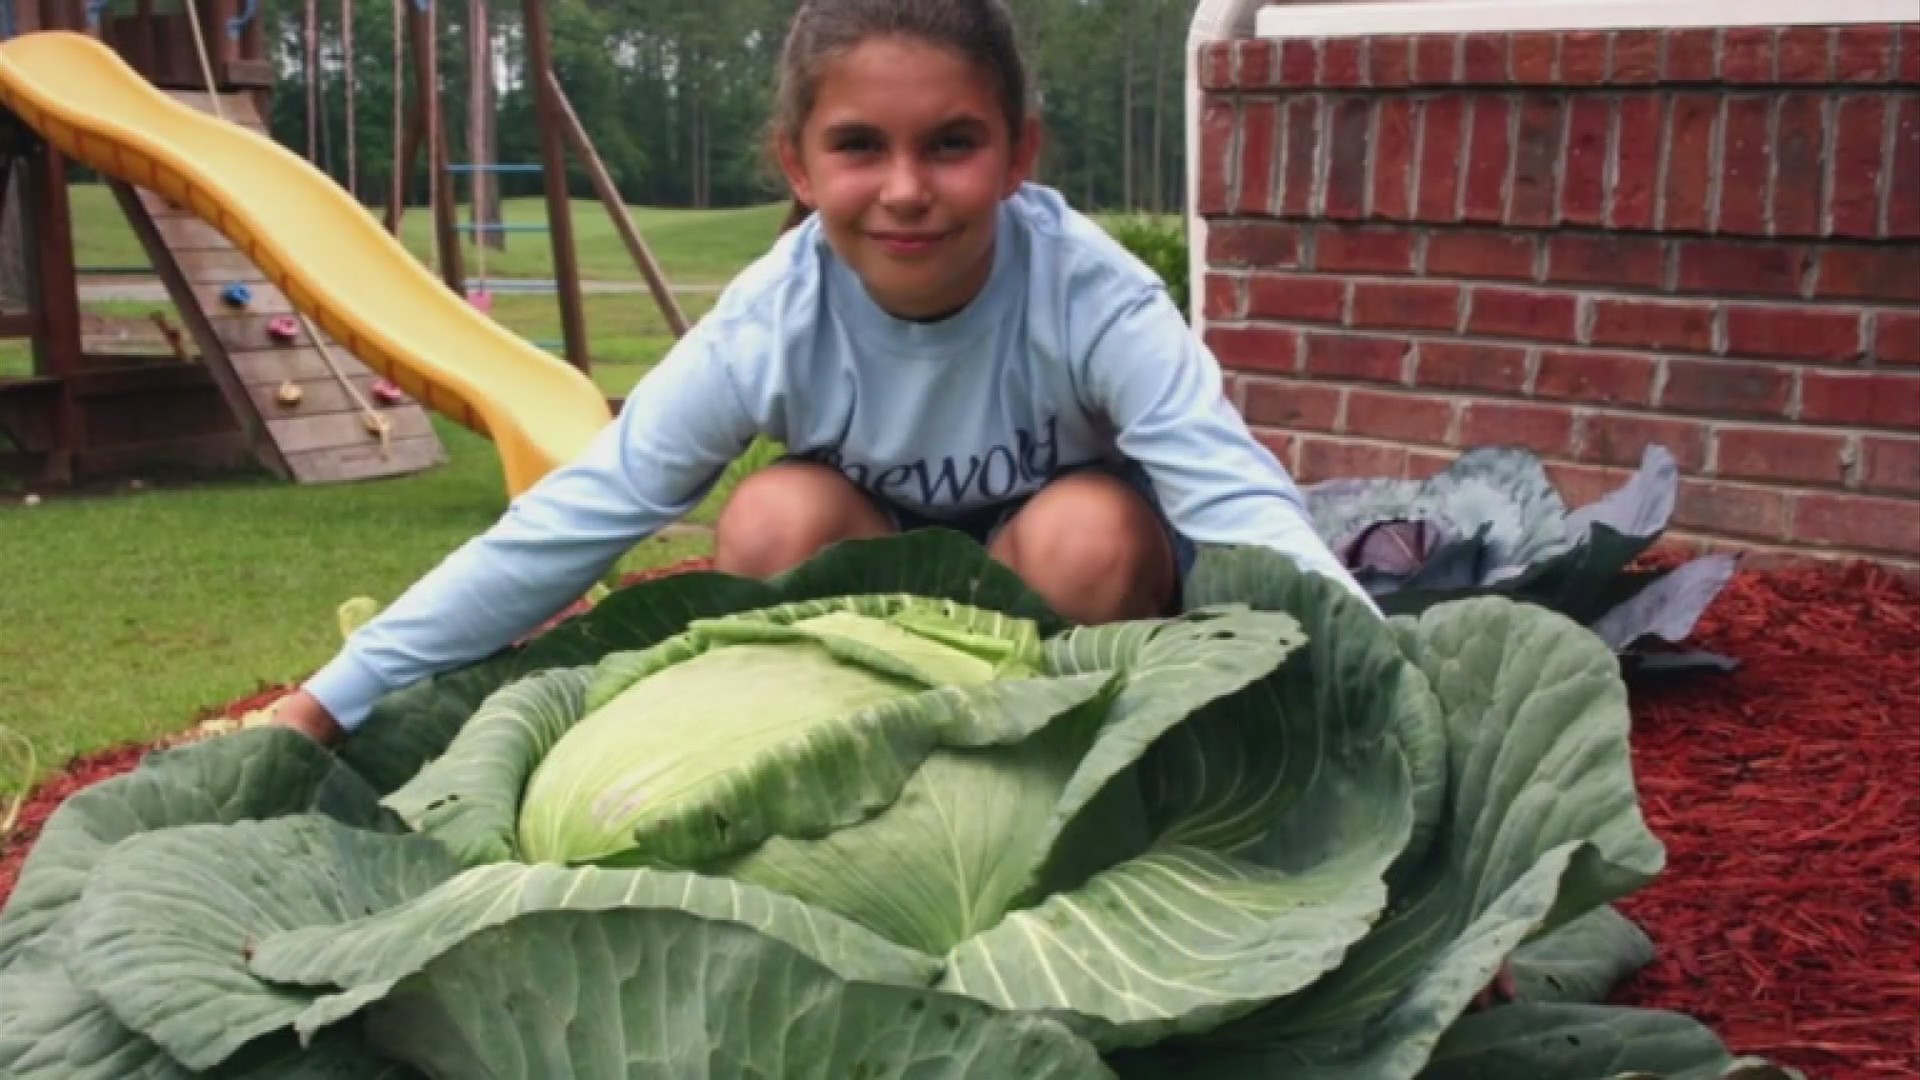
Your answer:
<point x="956" y="144"/>
<point x="856" y="144"/>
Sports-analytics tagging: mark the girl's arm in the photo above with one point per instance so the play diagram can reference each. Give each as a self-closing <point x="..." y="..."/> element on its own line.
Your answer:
<point x="1162" y="390"/>
<point x="673" y="438"/>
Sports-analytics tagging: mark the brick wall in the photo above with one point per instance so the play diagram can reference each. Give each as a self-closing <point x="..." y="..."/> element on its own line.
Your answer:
<point x="1580" y="242"/>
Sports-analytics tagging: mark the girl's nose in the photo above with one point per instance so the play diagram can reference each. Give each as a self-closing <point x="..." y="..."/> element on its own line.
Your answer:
<point x="905" y="187"/>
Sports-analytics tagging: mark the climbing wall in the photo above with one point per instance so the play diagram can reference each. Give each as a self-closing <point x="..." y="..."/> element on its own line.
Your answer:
<point x="288" y="393"/>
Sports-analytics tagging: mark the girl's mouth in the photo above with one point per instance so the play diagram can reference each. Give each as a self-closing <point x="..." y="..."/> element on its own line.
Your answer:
<point x="908" y="243"/>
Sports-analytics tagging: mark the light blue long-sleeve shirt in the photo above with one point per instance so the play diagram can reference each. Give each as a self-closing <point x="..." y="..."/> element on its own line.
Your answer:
<point x="1072" y="353"/>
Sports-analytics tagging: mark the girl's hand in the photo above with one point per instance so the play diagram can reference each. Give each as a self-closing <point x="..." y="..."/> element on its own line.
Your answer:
<point x="303" y="713"/>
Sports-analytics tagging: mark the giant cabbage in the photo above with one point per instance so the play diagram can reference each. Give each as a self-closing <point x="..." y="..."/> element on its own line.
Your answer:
<point x="885" y="816"/>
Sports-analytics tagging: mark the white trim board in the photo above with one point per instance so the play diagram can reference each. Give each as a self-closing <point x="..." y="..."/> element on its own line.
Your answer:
<point x="1473" y="16"/>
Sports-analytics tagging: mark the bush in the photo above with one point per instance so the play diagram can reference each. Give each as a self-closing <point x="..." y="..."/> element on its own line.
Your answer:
<point x="1161" y="243"/>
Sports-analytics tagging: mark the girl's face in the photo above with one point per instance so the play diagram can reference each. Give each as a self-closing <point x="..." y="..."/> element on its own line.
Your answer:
<point x="905" y="158"/>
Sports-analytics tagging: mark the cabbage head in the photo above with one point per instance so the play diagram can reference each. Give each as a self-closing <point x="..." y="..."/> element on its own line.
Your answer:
<point x="885" y="816"/>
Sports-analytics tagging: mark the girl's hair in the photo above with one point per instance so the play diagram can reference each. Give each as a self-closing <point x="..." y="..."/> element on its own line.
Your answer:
<point x="980" y="30"/>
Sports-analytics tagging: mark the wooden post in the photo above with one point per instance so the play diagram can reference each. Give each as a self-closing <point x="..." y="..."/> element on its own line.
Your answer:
<point x="54" y="295"/>
<point x="483" y="186"/>
<point x="312" y="41"/>
<point x="426" y="80"/>
<point x="576" y="134"/>
<point x="553" y="158"/>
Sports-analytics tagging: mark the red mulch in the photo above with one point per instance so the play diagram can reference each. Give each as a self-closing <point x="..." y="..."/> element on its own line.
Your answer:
<point x="1787" y="793"/>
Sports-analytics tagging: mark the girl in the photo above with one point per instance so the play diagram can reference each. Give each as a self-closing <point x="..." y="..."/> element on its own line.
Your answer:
<point x="939" y="341"/>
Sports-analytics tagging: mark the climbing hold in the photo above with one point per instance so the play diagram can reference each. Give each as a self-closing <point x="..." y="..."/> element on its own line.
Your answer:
<point x="386" y="393"/>
<point x="236" y="295"/>
<point x="290" y="394"/>
<point x="283" y="328"/>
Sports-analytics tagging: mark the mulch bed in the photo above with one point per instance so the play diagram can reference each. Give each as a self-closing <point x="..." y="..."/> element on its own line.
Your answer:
<point x="1787" y="793"/>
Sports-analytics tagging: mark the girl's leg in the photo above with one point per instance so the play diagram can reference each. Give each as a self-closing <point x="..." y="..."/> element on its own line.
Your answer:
<point x="782" y="515"/>
<point x="1093" y="548"/>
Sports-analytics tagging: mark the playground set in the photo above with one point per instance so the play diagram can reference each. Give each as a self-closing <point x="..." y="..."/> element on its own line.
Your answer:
<point x="319" y="341"/>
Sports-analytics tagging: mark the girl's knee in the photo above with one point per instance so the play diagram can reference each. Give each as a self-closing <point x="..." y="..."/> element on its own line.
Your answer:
<point x="1094" y="548"/>
<point x="786" y="513"/>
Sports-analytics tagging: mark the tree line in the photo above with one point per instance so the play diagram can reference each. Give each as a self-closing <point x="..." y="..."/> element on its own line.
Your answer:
<point x="676" y="93"/>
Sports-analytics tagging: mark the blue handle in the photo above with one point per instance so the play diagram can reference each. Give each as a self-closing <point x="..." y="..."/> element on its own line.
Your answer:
<point x="94" y="8"/>
<point x="235" y="25"/>
<point x="6" y="19"/>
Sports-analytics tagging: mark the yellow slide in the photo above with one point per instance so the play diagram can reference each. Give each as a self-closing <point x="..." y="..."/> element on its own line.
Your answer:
<point x="330" y="256"/>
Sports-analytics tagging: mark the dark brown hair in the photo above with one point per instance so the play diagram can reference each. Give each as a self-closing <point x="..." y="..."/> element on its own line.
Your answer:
<point x="980" y="30"/>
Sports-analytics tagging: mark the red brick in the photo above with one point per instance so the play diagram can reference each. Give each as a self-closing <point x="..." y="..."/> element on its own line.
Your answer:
<point x="1255" y="348"/>
<point x="1390" y="61"/>
<point x="1523" y="313"/>
<point x="1726" y="389"/>
<point x="1606" y="259"/>
<point x="1257" y="64"/>
<point x="1259" y="146"/>
<point x="1442" y="124"/>
<point x="1887" y="400"/>
<point x="1363" y="251"/>
<point x="1341" y="62"/>
<point x="1292" y="404"/>
<point x="1299" y="62"/>
<point x="1536" y="162"/>
<point x="1805" y="54"/>
<point x="1330" y="459"/>
<point x="1583" y="58"/>
<point x="1726" y="267"/>
<point x="1535" y="58"/>
<point x="1282" y="445"/>
<point x="1347" y="157"/>
<point x="1436" y="59"/>
<point x="1870" y="273"/>
<point x="1865" y="54"/>
<point x="1896" y="338"/>
<point x="1303" y="142"/>
<point x="1264" y="244"/>
<point x="1800" y="158"/>
<point x="1620" y="438"/>
<point x="1636" y="164"/>
<point x="1636" y="56"/>
<point x="1692" y="55"/>
<point x="1755" y="513"/>
<point x="1745" y="154"/>
<point x="1485" y="59"/>
<point x="1216" y="65"/>
<point x="1597" y="378"/>
<point x="1652" y="324"/>
<point x="1903" y="190"/>
<point x="1422" y="464"/>
<point x="1827" y="335"/>
<point x="1471" y="365"/>
<point x="1691" y="120"/>
<point x="1801" y="457"/>
<point x="1405" y="305"/>
<point x="1579" y="485"/>
<point x="1583" y="179"/>
<point x="1544" y="429"/>
<point x="1393" y="156"/>
<point x="1296" y="297"/>
<point x="1351" y="356"/>
<point x="1399" y="417"/>
<point x="1858" y="521"/>
<point x="1216" y="156"/>
<point x="1746" y="54"/>
<point x="1223" y="299"/>
<point x="1481" y="255"/>
<point x="1489" y="153"/>
<point x="1854" y="207"/>
<point x="1890" y="465"/>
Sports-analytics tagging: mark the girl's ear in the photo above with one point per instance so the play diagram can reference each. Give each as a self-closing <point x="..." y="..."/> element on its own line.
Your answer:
<point x="794" y="168"/>
<point x="1026" y="152"/>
